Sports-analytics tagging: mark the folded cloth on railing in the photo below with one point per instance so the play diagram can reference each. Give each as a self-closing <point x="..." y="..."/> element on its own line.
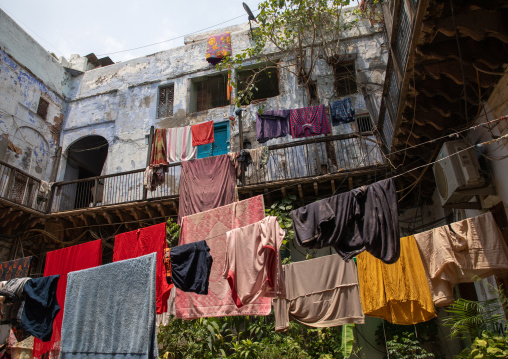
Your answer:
<point x="180" y="146"/>
<point x="62" y="262"/>
<point x="190" y="267"/>
<point x="321" y="292"/>
<point x="17" y="268"/>
<point x="342" y="111"/>
<point x="272" y="124"/>
<point x="206" y="183"/>
<point x="309" y="121"/>
<point x="44" y="188"/>
<point x="41" y="306"/>
<point x="253" y="265"/>
<point x="365" y="218"/>
<point x="110" y="311"/>
<point x="202" y="133"/>
<point x="218" y="46"/>
<point x="141" y="242"/>
<point x="13" y="296"/>
<point x="213" y="226"/>
<point x="159" y="148"/>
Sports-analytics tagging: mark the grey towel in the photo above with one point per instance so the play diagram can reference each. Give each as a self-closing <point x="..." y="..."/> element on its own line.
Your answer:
<point x="110" y="311"/>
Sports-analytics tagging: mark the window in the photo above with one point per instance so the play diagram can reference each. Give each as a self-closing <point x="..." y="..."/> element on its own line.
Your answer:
<point x="42" y="109"/>
<point x="166" y="95"/>
<point x="364" y="123"/>
<point x="266" y="82"/>
<point x="345" y="78"/>
<point x="208" y="92"/>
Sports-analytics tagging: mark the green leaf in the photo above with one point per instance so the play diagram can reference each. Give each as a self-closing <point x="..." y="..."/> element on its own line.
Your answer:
<point x="347" y="340"/>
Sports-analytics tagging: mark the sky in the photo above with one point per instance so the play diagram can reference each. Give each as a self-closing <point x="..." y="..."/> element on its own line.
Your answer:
<point x="107" y="26"/>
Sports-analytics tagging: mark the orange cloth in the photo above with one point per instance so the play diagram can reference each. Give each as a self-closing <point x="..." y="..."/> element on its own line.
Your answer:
<point x="398" y="292"/>
<point x="202" y="133"/>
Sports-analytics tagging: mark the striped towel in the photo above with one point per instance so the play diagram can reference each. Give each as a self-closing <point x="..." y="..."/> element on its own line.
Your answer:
<point x="180" y="144"/>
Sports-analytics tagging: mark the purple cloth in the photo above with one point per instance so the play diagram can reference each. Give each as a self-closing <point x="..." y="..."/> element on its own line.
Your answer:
<point x="218" y="46"/>
<point x="206" y="183"/>
<point x="272" y="124"/>
<point x="309" y="121"/>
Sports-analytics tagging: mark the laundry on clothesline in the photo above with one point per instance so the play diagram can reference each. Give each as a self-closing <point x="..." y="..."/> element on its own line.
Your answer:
<point x="110" y="311"/>
<point x="342" y="111"/>
<point x="180" y="144"/>
<point x="206" y="183"/>
<point x="202" y="133"/>
<point x="212" y="226"/>
<point x="62" y="262"/>
<point x="321" y="292"/>
<point x="365" y="218"/>
<point x="253" y="267"/>
<point x="17" y="268"/>
<point x="142" y="242"/>
<point x="272" y="124"/>
<point x="398" y="292"/>
<point x="309" y="121"/>
<point x="458" y="252"/>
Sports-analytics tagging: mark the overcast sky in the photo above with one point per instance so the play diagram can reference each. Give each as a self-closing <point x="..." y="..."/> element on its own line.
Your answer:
<point x="106" y="26"/>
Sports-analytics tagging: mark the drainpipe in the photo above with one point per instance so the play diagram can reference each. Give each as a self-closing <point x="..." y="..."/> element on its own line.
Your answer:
<point x="240" y="129"/>
<point x="148" y="156"/>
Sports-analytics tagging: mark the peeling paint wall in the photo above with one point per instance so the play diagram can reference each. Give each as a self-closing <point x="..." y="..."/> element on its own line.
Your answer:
<point x="38" y="138"/>
<point x="119" y="102"/>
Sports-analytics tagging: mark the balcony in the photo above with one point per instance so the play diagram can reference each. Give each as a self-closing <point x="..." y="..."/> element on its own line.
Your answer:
<point x="443" y="63"/>
<point x="307" y="168"/>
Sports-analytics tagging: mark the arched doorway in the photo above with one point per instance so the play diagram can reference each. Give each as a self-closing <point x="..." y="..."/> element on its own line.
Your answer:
<point x="85" y="159"/>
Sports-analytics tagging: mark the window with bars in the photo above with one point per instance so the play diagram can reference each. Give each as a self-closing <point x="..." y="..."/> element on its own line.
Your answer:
<point x="166" y="96"/>
<point x="345" y="78"/>
<point x="208" y="92"/>
<point x="364" y="123"/>
<point x="42" y="109"/>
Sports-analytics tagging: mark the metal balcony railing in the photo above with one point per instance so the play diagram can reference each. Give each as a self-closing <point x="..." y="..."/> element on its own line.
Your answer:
<point x="21" y="188"/>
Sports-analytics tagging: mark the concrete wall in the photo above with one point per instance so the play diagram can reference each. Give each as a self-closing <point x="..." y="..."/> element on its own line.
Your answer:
<point x="38" y="138"/>
<point x="119" y="102"/>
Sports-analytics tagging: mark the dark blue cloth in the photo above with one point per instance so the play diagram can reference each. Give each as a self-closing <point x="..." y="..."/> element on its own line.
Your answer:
<point x="190" y="267"/>
<point x="342" y="111"/>
<point x="41" y="306"/>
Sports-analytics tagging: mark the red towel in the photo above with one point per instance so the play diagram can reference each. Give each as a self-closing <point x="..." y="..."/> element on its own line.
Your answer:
<point x="62" y="262"/>
<point x="202" y="133"/>
<point x="139" y="243"/>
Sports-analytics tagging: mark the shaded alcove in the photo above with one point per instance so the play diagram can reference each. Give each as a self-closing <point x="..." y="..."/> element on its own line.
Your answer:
<point x="85" y="159"/>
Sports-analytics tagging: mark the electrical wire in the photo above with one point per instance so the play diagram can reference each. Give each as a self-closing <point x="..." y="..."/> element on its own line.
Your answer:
<point x="175" y="38"/>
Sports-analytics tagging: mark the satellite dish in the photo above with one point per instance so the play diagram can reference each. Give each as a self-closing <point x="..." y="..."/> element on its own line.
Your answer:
<point x="249" y="12"/>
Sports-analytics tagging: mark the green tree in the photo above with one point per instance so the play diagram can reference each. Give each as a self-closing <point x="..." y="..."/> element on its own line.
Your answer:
<point x="294" y="35"/>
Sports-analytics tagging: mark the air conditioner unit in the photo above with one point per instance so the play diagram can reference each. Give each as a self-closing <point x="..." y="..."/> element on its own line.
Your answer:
<point x="457" y="172"/>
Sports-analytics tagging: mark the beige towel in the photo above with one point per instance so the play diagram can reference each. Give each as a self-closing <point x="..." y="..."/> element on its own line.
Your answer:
<point x="459" y="252"/>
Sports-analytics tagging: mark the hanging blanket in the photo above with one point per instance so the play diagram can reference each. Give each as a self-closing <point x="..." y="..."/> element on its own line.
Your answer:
<point x="159" y="148"/>
<point x="110" y="311"/>
<point x="218" y="46"/>
<point x="141" y="242"/>
<point x="213" y="226"/>
<point x="342" y="111"/>
<point x="272" y="124"/>
<point x="17" y="268"/>
<point x="309" y="121"/>
<point x="205" y="184"/>
<point x="202" y="133"/>
<point x="180" y="147"/>
<point x="62" y="262"/>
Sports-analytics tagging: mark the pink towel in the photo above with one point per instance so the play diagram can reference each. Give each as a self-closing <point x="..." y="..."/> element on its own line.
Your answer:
<point x="213" y="226"/>
<point x="180" y="146"/>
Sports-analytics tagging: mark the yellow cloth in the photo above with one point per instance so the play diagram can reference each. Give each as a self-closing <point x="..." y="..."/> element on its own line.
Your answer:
<point x="397" y="292"/>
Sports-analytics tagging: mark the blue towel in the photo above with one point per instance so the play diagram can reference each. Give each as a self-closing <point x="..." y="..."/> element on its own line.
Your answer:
<point x="110" y="311"/>
<point x="342" y="111"/>
<point x="41" y="307"/>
